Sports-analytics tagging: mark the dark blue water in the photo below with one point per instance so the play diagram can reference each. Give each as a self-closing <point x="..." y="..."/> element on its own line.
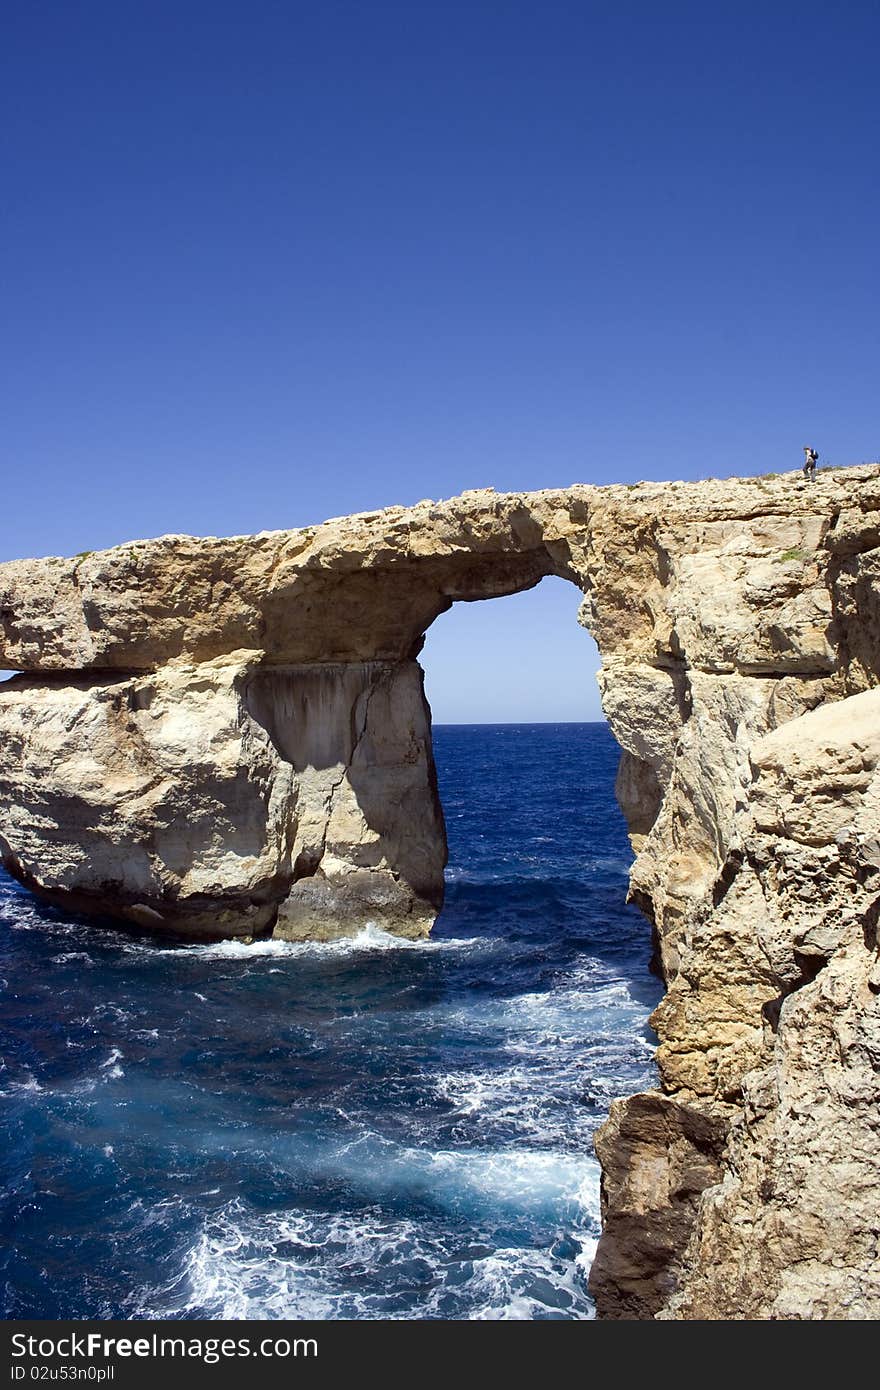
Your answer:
<point x="370" y="1129"/>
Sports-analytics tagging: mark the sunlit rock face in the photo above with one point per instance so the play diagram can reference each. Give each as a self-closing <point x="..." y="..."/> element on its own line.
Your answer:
<point x="230" y="738"/>
<point x="228" y="799"/>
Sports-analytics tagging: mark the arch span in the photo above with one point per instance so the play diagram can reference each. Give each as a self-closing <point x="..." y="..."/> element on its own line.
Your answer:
<point x="248" y="744"/>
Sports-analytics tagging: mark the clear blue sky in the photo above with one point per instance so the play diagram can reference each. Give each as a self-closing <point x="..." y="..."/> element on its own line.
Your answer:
<point x="270" y="262"/>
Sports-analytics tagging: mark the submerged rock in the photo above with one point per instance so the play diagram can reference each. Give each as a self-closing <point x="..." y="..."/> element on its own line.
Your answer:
<point x="230" y="738"/>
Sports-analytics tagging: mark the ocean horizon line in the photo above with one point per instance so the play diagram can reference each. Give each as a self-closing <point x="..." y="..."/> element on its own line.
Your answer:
<point x="510" y="723"/>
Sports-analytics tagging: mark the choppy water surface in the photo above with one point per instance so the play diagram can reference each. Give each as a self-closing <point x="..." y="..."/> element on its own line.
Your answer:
<point x="373" y="1129"/>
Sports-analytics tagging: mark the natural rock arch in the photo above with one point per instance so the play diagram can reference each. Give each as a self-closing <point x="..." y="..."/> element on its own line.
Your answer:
<point x="230" y="736"/>
<point x="256" y="747"/>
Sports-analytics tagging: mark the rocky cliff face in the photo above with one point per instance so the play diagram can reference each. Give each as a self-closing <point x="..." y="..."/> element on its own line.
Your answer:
<point x="741" y="686"/>
<point x="230" y="737"/>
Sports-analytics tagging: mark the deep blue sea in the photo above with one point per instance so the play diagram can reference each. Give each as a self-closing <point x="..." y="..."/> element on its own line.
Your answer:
<point x="371" y="1129"/>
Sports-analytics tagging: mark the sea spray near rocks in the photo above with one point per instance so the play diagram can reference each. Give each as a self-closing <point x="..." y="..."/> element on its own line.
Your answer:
<point x="369" y="1128"/>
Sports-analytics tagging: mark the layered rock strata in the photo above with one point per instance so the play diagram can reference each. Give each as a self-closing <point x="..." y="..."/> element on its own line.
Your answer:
<point x="229" y="737"/>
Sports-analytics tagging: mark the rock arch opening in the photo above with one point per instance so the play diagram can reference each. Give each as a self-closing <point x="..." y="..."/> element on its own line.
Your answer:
<point x="511" y="686"/>
<point x="518" y="659"/>
<point x="521" y="667"/>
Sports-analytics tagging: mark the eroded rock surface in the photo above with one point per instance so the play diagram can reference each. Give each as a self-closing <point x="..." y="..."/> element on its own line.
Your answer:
<point x="227" y="798"/>
<point x="230" y="737"/>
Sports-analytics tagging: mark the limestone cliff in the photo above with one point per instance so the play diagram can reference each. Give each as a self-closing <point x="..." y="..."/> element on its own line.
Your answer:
<point x="230" y="737"/>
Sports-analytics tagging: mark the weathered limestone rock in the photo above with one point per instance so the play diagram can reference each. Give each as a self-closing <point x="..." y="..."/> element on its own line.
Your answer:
<point x="758" y="623"/>
<point x="229" y="737"/>
<point x="361" y="588"/>
<point x="657" y="1158"/>
<point x="792" y="1230"/>
<point x="226" y="799"/>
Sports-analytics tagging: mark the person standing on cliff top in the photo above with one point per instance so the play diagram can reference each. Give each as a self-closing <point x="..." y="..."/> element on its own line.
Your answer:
<point x="811" y="458"/>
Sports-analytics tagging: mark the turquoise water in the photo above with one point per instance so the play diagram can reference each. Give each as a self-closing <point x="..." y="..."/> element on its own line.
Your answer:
<point x="368" y="1129"/>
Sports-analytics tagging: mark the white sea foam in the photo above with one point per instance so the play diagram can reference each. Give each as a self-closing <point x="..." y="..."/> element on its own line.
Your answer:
<point x="520" y="1178"/>
<point x="567" y="1057"/>
<point x="369" y="938"/>
<point x="111" y="1065"/>
<point x="366" y="1265"/>
<point x="29" y="1086"/>
<point x="67" y="956"/>
<point x="587" y="1254"/>
<point x="534" y="1104"/>
<point x="587" y="1004"/>
<point x="101" y="1013"/>
<point x="514" y="1285"/>
<point x="469" y="1091"/>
